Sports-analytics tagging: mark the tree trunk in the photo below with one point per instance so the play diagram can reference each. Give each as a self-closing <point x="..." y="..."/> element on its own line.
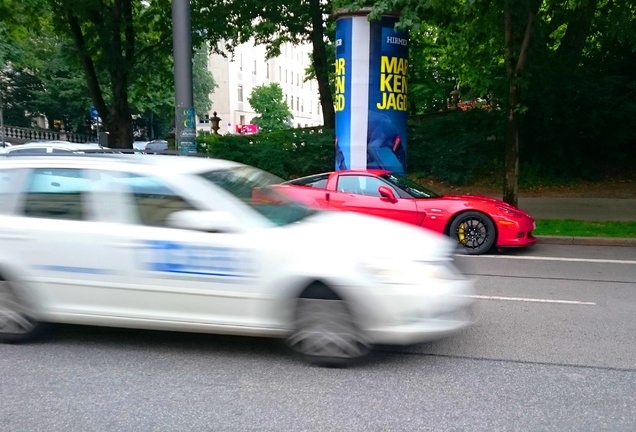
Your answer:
<point x="321" y="64"/>
<point x="511" y="169"/>
<point x="120" y="125"/>
<point x="578" y="30"/>
<point x="118" y="119"/>
<point x="515" y="65"/>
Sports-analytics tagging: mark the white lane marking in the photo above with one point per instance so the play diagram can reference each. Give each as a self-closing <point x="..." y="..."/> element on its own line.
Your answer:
<point x="540" y="258"/>
<point x="530" y="300"/>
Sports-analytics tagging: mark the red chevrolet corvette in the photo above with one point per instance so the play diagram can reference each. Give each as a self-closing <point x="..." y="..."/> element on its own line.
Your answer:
<point x="479" y="223"/>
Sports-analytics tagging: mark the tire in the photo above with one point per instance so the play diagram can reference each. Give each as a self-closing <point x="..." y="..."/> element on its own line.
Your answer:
<point x="325" y="332"/>
<point x="474" y="231"/>
<point x="17" y="322"/>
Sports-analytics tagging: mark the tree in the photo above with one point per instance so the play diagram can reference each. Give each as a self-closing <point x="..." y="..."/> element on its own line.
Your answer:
<point x="267" y="100"/>
<point x="42" y="78"/>
<point x="273" y="23"/>
<point x="203" y="83"/>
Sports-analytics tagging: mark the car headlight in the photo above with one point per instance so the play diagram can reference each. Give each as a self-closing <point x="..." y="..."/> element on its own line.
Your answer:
<point x="402" y="272"/>
<point x="510" y="212"/>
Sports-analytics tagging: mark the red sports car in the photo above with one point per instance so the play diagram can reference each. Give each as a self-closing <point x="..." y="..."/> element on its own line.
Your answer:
<point x="479" y="223"/>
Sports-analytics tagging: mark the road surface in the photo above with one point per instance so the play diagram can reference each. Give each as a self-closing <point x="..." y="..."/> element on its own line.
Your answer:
<point x="554" y="348"/>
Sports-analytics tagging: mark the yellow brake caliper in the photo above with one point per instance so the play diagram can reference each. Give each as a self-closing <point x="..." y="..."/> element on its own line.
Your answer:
<point x="461" y="233"/>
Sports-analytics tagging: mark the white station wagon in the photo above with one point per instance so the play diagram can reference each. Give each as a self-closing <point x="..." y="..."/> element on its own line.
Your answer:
<point x="201" y="245"/>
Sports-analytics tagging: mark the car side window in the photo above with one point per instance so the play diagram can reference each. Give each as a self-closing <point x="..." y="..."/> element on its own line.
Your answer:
<point x="36" y="150"/>
<point x="56" y="194"/>
<point x="10" y="184"/>
<point x="153" y="200"/>
<point x="317" y="181"/>
<point x="361" y="185"/>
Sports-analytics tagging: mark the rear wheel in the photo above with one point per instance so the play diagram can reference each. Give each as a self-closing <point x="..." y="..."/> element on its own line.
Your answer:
<point x="474" y="231"/>
<point x="325" y="331"/>
<point x="17" y="322"/>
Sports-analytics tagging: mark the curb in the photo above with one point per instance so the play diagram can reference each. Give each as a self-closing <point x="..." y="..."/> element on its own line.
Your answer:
<point x="587" y="241"/>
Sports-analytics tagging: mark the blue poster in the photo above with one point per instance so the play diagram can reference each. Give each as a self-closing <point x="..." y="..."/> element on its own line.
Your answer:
<point x="343" y="89"/>
<point x="371" y="94"/>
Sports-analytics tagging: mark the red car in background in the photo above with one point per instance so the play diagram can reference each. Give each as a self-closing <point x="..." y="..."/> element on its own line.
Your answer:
<point x="479" y="223"/>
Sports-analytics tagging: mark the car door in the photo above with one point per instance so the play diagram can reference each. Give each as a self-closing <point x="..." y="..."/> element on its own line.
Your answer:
<point x="63" y="245"/>
<point x="184" y="275"/>
<point x="359" y="193"/>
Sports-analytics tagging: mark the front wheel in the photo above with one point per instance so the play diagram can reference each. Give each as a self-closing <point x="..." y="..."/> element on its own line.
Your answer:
<point x="475" y="232"/>
<point x="326" y="334"/>
<point x="17" y="322"/>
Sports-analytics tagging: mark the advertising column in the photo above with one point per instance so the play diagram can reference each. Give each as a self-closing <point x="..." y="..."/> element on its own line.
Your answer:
<point x="371" y="93"/>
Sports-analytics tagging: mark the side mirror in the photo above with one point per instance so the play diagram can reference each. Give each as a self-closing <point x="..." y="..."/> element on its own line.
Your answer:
<point x="387" y="193"/>
<point x="207" y="221"/>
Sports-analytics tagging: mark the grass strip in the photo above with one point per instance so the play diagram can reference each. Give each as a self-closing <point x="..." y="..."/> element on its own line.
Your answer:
<point x="578" y="228"/>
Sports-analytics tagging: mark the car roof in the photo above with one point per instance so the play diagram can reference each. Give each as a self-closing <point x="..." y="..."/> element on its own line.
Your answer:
<point x="57" y="144"/>
<point x="174" y="163"/>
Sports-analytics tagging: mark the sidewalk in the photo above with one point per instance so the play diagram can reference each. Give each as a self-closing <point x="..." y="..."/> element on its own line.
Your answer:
<point x="587" y="209"/>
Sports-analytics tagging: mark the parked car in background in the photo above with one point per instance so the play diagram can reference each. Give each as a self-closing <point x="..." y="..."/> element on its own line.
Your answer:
<point x="139" y="145"/>
<point x="478" y="223"/>
<point x="157" y="146"/>
<point x="204" y="245"/>
<point x="44" y="147"/>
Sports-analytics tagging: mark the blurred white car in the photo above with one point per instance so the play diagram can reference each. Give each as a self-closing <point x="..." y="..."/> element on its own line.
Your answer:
<point x="42" y="147"/>
<point x="202" y="245"/>
<point x="139" y="145"/>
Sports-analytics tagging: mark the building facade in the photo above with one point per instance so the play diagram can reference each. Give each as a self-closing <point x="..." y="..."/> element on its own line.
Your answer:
<point x="237" y="76"/>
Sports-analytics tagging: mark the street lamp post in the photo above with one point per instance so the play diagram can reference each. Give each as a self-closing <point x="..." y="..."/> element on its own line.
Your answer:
<point x="185" y="132"/>
<point x="1" y="119"/>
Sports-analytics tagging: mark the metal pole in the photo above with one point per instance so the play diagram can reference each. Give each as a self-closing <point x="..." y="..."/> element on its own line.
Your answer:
<point x="1" y="119"/>
<point x="185" y="132"/>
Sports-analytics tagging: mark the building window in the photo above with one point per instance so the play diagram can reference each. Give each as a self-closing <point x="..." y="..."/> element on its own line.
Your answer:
<point x="297" y="103"/>
<point x="242" y="120"/>
<point x="280" y="73"/>
<point x="286" y="75"/>
<point x="292" y="77"/>
<point x="205" y="119"/>
<point x="297" y="79"/>
<point x="267" y="70"/>
<point x="302" y="106"/>
<point x="240" y="62"/>
<point x="254" y="70"/>
<point x="240" y="93"/>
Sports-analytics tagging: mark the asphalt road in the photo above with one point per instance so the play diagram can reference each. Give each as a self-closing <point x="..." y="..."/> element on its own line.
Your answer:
<point x="554" y="348"/>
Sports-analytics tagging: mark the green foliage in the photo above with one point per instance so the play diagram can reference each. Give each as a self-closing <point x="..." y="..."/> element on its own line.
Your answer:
<point x="267" y="101"/>
<point x="456" y="147"/>
<point x="577" y="228"/>
<point x="288" y="153"/>
<point x="203" y="83"/>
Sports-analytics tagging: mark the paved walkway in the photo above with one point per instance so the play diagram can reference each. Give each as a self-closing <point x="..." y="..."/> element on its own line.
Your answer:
<point x="590" y="209"/>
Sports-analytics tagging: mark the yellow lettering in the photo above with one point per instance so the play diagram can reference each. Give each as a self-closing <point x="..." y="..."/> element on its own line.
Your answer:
<point x="398" y="102"/>
<point x="394" y="65"/>
<point x="339" y="102"/>
<point x="340" y="66"/>
<point x="403" y="65"/>
<point x="388" y="65"/>
<point x="399" y="84"/>
<point x="340" y="84"/>
<point x="385" y="82"/>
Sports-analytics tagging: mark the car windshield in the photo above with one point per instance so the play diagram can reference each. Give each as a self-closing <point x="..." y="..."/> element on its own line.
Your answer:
<point x="251" y="185"/>
<point x="409" y="186"/>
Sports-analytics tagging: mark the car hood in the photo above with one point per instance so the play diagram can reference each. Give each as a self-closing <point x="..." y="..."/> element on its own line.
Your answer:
<point x="484" y="199"/>
<point x="370" y="236"/>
